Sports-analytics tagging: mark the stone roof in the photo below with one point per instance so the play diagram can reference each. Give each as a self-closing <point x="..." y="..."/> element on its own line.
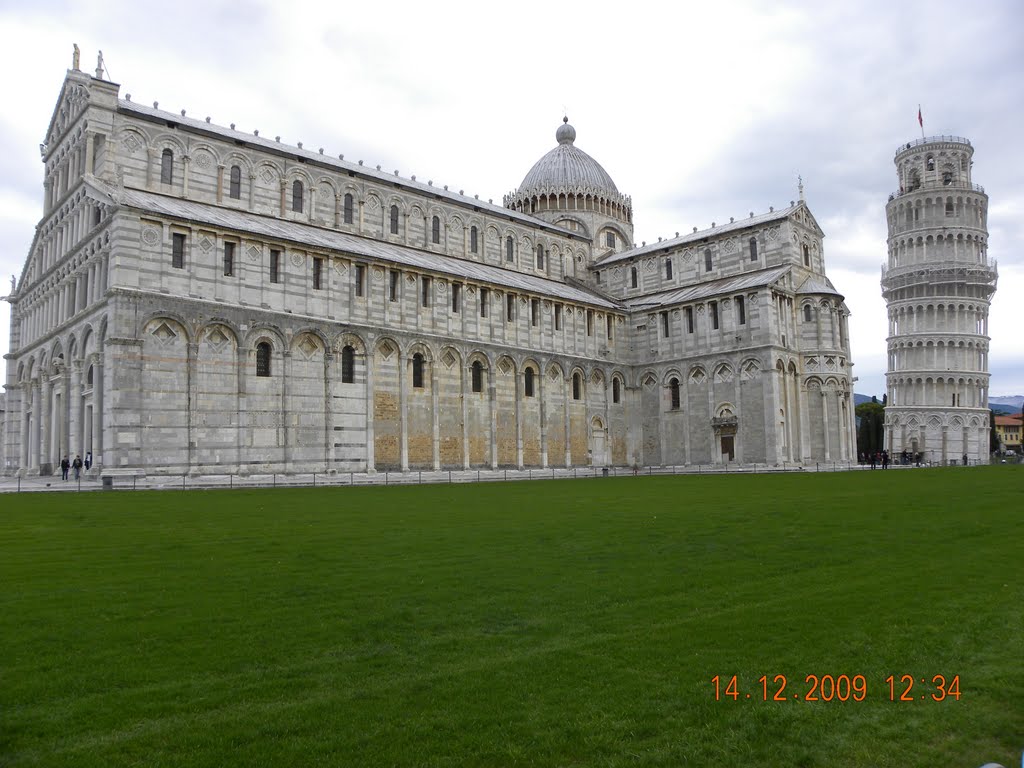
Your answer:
<point x="700" y="234"/>
<point x="273" y="145"/>
<point x="736" y="284"/>
<point x="309" y="236"/>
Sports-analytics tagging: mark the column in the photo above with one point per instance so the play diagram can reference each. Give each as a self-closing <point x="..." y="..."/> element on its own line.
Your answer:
<point x="542" y="377"/>
<point x="465" y="413"/>
<point x="403" y="405"/>
<point x="286" y="363"/>
<point x="519" y="419"/>
<point x="434" y="405"/>
<point x="45" y="431"/>
<point x="329" y="450"/>
<point x="192" y="387"/>
<point x="566" y="393"/>
<point x="73" y="393"/>
<point x="825" y="425"/>
<point x="492" y="397"/>
<point x="97" y="411"/>
<point x="368" y="355"/>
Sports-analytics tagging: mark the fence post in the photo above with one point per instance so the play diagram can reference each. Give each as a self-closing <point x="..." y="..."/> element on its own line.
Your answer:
<point x="231" y="480"/>
<point x="385" y="477"/>
<point x="275" y="479"/>
<point x="531" y="474"/>
<point x="506" y="474"/>
<point x="449" y="477"/>
<point x="314" y="479"/>
<point x="478" y="475"/>
<point x="419" y="480"/>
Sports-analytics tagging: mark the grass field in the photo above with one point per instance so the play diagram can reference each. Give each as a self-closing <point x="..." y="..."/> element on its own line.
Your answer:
<point x="553" y="623"/>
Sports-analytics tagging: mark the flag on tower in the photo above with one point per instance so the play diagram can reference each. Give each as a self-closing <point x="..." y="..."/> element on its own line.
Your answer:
<point x="920" y="119"/>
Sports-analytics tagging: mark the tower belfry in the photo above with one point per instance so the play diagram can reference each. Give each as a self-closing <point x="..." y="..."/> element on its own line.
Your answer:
<point x="938" y="286"/>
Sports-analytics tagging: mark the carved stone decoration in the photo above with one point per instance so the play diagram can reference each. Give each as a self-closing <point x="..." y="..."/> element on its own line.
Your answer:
<point x="378" y="274"/>
<point x="410" y="279"/>
<point x="150" y="235"/>
<point x="131" y="143"/>
<point x="298" y="258"/>
<point x="255" y="252"/>
<point x="697" y="375"/>
<point x="386" y="350"/>
<point x="597" y="378"/>
<point x="732" y="245"/>
<point x="202" y="159"/>
<point x="554" y="374"/>
<point x="341" y="267"/>
<point x="772" y="234"/>
<point x="546" y="306"/>
<point x="504" y="366"/>
<point x="649" y="381"/>
<point x="650" y="265"/>
<point x="723" y="374"/>
<point x="617" y="272"/>
<point x="164" y="333"/>
<point x="308" y="347"/>
<point x="751" y="370"/>
<point x="205" y="244"/>
<point x="752" y="298"/>
<point x="471" y="290"/>
<point x="448" y="359"/>
<point x="442" y="286"/>
<point x="216" y="338"/>
<point x="700" y="309"/>
<point x="268" y="174"/>
<point x="688" y="255"/>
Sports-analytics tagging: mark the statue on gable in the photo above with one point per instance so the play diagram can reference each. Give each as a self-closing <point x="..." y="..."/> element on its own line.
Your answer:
<point x="99" y="66"/>
<point x="75" y="58"/>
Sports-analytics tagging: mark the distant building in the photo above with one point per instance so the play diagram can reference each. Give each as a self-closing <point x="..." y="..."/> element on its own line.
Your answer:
<point x="938" y="286"/>
<point x="1008" y="431"/>
<point x="202" y="300"/>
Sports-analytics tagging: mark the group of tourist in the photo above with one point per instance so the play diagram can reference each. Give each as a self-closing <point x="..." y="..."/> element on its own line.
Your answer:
<point x="76" y="464"/>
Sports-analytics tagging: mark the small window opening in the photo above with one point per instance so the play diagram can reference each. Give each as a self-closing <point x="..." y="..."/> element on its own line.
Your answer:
<point x="263" y="359"/>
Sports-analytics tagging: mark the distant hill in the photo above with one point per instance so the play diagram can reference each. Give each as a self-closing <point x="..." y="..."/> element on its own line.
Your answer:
<point x="999" y="408"/>
<point x="1013" y="402"/>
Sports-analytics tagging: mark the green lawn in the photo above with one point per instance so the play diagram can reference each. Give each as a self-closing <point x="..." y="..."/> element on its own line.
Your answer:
<point x="553" y="623"/>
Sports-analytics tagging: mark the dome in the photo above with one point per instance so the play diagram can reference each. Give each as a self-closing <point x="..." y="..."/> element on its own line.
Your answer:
<point x="566" y="168"/>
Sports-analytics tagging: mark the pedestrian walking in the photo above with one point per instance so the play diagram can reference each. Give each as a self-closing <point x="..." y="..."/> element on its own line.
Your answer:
<point x="77" y="466"/>
<point x="65" y="465"/>
<point x="885" y="459"/>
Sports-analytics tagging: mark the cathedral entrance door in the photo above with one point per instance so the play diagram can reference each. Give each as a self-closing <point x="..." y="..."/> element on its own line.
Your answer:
<point x="729" y="447"/>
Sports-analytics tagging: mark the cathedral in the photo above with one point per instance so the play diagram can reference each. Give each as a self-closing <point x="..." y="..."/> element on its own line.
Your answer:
<point x="201" y="300"/>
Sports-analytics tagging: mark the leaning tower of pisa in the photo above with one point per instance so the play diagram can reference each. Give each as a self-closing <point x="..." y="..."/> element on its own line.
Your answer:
<point x="938" y="285"/>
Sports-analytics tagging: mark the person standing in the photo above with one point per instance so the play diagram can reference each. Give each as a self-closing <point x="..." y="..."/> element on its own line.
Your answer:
<point x="65" y="465"/>
<point x="885" y="459"/>
<point x="77" y="466"/>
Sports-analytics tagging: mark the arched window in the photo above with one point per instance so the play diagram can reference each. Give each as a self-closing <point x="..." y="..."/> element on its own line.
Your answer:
<point x="394" y="219"/>
<point x="707" y="259"/>
<point x="88" y="377"/>
<point x="807" y="313"/>
<point x="577" y="386"/>
<point x="609" y="239"/>
<point x="931" y="163"/>
<point x="632" y="277"/>
<point x="235" y="187"/>
<point x="668" y="269"/>
<point x="753" y="249"/>
<point x="348" y="364"/>
<point x="509" y="249"/>
<point x="263" y="359"/>
<point x="417" y="371"/>
<point x="947" y="178"/>
<point x="540" y="257"/>
<point x="673" y="388"/>
<point x="616" y="390"/>
<point x="435" y="230"/>
<point x="949" y="206"/>
<point x="474" y="245"/>
<point x="167" y="167"/>
<point x="297" y="194"/>
<point x="807" y="256"/>
<point x="477" y="371"/>
<point x="528" y="382"/>
<point x="348" y="209"/>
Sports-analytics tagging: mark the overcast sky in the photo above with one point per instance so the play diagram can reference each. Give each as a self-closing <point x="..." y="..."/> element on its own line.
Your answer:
<point x="699" y="111"/>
